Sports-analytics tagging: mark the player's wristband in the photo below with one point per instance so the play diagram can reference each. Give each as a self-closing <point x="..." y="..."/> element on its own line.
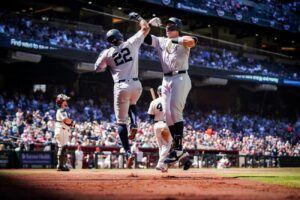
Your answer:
<point x="178" y="40"/>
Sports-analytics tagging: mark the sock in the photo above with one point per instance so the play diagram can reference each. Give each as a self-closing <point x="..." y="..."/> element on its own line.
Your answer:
<point x="123" y="134"/>
<point x="172" y="130"/>
<point x="178" y="128"/>
<point x="132" y="112"/>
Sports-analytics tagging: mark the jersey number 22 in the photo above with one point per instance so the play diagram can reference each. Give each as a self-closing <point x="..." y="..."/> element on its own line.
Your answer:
<point x="122" y="57"/>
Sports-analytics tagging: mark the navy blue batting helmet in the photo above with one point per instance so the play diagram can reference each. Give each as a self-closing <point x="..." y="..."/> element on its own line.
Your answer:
<point x="177" y="22"/>
<point x="114" y="36"/>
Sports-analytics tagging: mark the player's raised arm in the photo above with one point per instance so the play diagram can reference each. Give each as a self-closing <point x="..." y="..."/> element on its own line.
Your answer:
<point x="154" y="22"/>
<point x="145" y="27"/>
<point x="101" y="64"/>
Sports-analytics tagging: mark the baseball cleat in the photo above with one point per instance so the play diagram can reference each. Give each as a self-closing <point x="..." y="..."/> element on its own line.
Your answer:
<point x="187" y="164"/>
<point x="130" y="161"/>
<point x="175" y="156"/>
<point x="133" y="132"/>
<point x="162" y="169"/>
<point x="63" y="169"/>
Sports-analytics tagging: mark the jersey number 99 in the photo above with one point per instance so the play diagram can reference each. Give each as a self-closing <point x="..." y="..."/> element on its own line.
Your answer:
<point x="122" y="57"/>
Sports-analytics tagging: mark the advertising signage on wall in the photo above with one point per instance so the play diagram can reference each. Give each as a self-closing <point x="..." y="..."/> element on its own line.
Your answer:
<point x="46" y="49"/>
<point x="30" y="45"/>
<point x="36" y="158"/>
<point x="265" y="79"/>
<point x="4" y="159"/>
<point x="146" y="64"/>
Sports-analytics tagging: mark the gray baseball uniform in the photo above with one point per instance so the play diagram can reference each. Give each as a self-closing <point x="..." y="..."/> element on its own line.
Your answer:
<point x="164" y="142"/>
<point x="176" y="83"/>
<point x="123" y="64"/>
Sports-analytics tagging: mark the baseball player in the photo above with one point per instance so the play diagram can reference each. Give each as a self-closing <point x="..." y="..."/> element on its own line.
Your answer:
<point x="173" y="52"/>
<point x="161" y="130"/>
<point x="78" y="157"/>
<point x="62" y="131"/>
<point x="122" y="59"/>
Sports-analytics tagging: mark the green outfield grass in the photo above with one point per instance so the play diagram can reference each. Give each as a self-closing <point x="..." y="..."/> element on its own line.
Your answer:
<point x="8" y="172"/>
<point x="289" y="177"/>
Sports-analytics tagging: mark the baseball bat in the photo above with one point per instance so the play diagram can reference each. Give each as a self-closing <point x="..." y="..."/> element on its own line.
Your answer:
<point x="152" y="93"/>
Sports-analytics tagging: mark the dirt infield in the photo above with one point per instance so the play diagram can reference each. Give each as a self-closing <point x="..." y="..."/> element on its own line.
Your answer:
<point x="135" y="184"/>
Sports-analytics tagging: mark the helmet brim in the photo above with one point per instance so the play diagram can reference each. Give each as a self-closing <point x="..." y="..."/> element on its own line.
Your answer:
<point x="170" y="22"/>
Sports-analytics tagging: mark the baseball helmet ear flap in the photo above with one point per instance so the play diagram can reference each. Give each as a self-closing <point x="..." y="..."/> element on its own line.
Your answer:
<point x="114" y="36"/>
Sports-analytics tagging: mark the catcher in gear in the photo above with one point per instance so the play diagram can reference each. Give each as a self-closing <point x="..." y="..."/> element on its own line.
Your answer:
<point x="62" y="131"/>
<point x="122" y="61"/>
<point x="161" y="130"/>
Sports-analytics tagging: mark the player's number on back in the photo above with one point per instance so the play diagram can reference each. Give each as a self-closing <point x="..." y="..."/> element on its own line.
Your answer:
<point x="159" y="107"/>
<point x="122" y="57"/>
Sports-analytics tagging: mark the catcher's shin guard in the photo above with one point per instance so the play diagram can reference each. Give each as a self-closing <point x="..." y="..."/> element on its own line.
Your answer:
<point x="62" y="159"/>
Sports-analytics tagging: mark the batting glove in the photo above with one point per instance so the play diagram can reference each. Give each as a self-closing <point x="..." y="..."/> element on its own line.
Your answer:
<point x="135" y="16"/>
<point x="155" y="22"/>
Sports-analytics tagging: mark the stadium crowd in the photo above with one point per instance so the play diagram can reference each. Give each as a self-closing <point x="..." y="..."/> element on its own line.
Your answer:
<point x="271" y="12"/>
<point x="27" y="120"/>
<point x="202" y="56"/>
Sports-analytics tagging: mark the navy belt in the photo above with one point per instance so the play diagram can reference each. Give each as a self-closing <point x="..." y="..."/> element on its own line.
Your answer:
<point x="160" y="121"/>
<point x="124" y="80"/>
<point x="175" y="73"/>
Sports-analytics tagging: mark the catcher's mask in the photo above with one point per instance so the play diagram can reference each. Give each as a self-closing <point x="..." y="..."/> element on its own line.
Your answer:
<point x="61" y="98"/>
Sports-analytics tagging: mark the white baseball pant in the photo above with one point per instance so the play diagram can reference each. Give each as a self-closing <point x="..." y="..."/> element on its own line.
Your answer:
<point x="175" y="90"/>
<point x="125" y="94"/>
<point x="164" y="140"/>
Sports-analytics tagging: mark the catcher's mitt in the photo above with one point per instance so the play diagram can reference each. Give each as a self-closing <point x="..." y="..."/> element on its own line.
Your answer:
<point x="165" y="134"/>
<point x="68" y="121"/>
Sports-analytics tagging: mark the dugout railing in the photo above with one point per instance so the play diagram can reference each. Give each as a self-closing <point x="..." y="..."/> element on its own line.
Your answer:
<point x="146" y="159"/>
<point x="149" y="160"/>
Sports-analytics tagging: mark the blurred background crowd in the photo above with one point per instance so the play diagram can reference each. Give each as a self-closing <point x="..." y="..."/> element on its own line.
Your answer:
<point x="27" y="120"/>
<point x="204" y="55"/>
